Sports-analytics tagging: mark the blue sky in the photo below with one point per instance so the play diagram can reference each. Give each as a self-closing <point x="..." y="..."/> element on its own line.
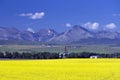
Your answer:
<point x="60" y="14"/>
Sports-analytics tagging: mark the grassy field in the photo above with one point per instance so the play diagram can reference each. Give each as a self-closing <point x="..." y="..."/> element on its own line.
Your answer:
<point x="60" y="69"/>
<point x="60" y="48"/>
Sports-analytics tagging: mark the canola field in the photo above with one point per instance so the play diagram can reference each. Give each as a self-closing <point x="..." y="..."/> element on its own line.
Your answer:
<point x="60" y="69"/>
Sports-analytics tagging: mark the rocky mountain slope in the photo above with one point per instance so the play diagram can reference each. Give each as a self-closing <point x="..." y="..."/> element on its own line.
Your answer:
<point x="77" y="34"/>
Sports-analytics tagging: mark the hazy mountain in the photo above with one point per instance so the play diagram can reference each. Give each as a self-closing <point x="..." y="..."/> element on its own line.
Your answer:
<point x="27" y="36"/>
<point x="76" y="34"/>
<point x="107" y="35"/>
<point x="45" y="34"/>
<point x="9" y="33"/>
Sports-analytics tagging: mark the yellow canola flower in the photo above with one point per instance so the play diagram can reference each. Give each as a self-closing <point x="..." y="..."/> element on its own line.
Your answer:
<point x="60" y="69"/>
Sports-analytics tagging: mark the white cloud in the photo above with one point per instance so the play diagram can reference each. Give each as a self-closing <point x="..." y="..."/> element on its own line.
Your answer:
<point x="110" y="26"/>
<point x="116" y="14"/>
<point x="27" y="14"/>
<point x="68" y="25"/>
<point x="30" y="30"/>
<point x="37" y="15"/>
<point x="90" y="25"/>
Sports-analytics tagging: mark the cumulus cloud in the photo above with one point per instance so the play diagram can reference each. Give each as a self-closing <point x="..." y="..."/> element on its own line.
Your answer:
<point x="30" y="30"/>
<point x="68" y="25"/>
<point x="36" y="15"/>
<point x="110" y="26"/>
<point x="90" y="25"/>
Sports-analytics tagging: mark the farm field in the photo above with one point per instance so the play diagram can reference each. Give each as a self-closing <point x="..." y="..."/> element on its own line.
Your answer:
<point x="60" y="48"/>
<point x="60" y="69"/>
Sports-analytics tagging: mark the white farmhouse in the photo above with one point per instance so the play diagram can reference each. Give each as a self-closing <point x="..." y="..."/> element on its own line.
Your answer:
<point x="94" y="57"/>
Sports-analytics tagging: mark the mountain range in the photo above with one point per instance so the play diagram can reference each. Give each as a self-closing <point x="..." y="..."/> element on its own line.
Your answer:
<point x="76" y="34"/>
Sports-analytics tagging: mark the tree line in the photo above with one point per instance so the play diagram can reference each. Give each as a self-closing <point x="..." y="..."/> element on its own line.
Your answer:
<point x="49" y="55"/>
<point x="89" y="54"/>
<point x="28" y="55"/>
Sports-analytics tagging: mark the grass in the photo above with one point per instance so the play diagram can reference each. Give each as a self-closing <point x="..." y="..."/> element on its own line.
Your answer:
<point x="60" y="69"/>
<point x="60" y="48"/>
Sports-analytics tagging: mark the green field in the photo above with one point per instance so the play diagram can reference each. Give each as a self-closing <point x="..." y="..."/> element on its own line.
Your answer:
<point x="60" y="48"/>
<point x="60" y="69"/>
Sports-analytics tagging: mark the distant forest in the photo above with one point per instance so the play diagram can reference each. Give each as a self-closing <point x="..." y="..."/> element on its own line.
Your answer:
<point x="48" y="55"/>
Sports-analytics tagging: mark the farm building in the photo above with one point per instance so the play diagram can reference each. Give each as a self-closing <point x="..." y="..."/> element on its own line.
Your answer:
<point x="64" y="54"/>
<point x="95" y="56"/>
